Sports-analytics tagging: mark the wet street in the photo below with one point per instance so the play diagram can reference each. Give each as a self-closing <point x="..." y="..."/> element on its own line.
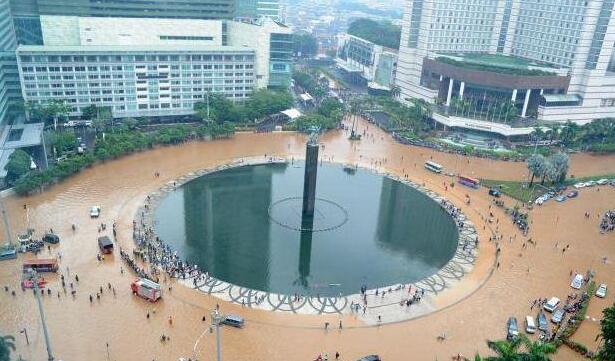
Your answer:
<point x="468" y="314"/>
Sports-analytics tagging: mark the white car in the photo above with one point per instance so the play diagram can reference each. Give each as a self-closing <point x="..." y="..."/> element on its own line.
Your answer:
<point x="590" y="183"/>
<point x="577" y="282"/>
<point x="602" y="181"/>
<point x="580" y="185"/>
<point x="551" y="304"/>
<point x="601" y="291"/>
<point x="95" y="212"/>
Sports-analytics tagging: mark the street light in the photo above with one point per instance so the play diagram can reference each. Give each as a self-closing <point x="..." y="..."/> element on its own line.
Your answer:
<point x="216" y="320"/>
<point x="36" y="289"/>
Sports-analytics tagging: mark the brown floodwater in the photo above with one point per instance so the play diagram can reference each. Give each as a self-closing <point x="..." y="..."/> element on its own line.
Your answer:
<point x="473" y="311"/>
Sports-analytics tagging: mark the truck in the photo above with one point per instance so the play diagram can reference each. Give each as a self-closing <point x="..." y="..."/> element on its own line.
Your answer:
<point x="147" y="289"/>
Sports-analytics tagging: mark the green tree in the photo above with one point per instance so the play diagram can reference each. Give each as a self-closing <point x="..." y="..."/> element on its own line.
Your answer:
<point x="304" y="45"/>
<point x="89" y="112"/>
<point x="62" y="141"/>
<point x="7" y="345"/>
<point x="561" y="163"/>
<point x="607" y="325"/>
<point x="34" y="112"/>
<point x="506" y="350"/>
<point x="306" y="122"/>
<point x="17" y="166"/>
<point x="536" y="164"/>
<point x="520" y="348"/>
<point x="56" y="109"/>
<point x="382" y="33"/>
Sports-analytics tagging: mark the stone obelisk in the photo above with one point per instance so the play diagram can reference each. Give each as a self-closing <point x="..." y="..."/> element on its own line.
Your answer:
<point x="309" y="179"/>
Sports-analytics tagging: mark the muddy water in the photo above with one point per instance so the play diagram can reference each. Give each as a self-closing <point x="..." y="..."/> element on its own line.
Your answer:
<point x="80" y="330"/>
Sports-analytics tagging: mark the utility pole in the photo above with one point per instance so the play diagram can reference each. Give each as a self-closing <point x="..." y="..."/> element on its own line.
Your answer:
<point x="37" y="290"/>
<point x="7" y="225"/>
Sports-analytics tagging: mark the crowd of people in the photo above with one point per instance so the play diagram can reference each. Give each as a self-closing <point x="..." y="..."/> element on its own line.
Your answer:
<point x="607" y="223"/>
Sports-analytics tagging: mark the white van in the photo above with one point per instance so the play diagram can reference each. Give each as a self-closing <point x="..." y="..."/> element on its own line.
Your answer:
<point x="551" y="304"/>
<point x="530" y="325"/>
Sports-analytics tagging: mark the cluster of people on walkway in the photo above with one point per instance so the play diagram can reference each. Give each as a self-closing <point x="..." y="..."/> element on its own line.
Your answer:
<point x="607" y="223"/>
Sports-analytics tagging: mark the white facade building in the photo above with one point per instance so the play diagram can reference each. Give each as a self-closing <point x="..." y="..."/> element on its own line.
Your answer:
<point x="144" y="67"/>
<point x="553" y="59"/>
<point x="374" y="63"/>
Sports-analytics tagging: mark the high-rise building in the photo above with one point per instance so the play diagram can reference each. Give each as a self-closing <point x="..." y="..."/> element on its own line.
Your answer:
<point x="26" y="13"/>
<point x="10" y="92"/>
<point x="272" y="9"/>
<point x="151" y="67"/>
<point x="493" y="60"/>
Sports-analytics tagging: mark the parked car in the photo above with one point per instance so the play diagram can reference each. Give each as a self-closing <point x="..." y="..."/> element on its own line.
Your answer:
<point x="512" y="328"/>
<point x="370" y="358"/>
<point x="551" y="304"/>
<point x="601" y="291"/>
<point x="51" y="238"/>
<point x="560" y="198"/>
<point x="95" y="212"/>
<point x="530" y="324"/>
<point x="577" y="281"/>
<point x="572" y="194"/>
<point x="543" y="325"/>
<point x="495" y="193"/>
<point x="233" y="320"/>
<point x="558" y="315"/>
<point x="580" y="185"/>
<point x="602" y="181"/>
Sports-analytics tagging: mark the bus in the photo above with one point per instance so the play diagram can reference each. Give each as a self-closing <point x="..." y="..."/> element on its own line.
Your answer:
<point x="40" y="265"/>
<point x="434" y="167"/>
<point x="469" y="182"/>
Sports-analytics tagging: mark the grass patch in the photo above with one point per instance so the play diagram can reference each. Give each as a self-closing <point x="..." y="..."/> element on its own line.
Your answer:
<point x="516" y="190"/>
<point x="520" y="191"/>
<point x="573" y="180"/>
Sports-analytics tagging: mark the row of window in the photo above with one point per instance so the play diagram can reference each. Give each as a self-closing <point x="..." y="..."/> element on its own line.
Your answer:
<point x="607" y="102"/>
<point x="130" y="58"/>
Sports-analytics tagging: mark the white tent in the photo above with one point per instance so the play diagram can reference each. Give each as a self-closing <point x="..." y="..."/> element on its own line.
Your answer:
<point x="292" y="113"/>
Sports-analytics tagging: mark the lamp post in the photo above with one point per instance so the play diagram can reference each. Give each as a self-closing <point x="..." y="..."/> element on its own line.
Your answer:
<point x="216" y="319"/>
<point x="42" y="314"/>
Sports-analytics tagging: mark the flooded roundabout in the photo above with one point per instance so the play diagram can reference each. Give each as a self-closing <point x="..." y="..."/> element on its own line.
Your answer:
<point x="242" y="223"/>
<point x="468" y="291"/>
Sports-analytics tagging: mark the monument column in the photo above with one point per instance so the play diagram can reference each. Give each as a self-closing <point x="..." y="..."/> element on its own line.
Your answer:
<point x="526" y="102"/>
<point x="450" y="92"/>
<point x="309" y="179"/>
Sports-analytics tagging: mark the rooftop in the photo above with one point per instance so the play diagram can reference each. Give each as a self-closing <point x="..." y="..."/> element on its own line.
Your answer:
<point x="130" y="48"/>
<point x="18" y="136"/>
<point x="74" y="30"/>
<point x="498" y="63"/>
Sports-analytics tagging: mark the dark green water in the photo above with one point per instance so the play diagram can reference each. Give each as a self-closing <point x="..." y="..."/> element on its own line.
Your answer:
<point x="390" y="233"/>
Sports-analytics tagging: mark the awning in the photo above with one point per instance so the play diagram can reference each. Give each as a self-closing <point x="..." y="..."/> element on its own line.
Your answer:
<point x="555" y="98"/>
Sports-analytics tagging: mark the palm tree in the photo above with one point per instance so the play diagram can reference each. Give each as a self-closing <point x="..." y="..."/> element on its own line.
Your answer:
<point x="7" y="345"/>
<point x="536" y="164"/>
<point x="538" y="351"/>
<point x="506" y="350"/>
<point x="520" y="348"/>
